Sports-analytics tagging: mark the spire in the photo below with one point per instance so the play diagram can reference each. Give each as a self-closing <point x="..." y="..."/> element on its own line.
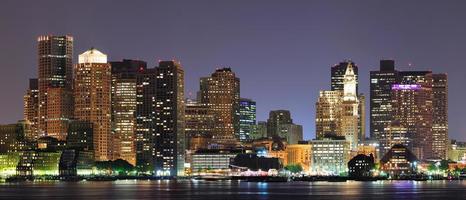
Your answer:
<point x="349" y="84"/>
<point x="92" y="56"/>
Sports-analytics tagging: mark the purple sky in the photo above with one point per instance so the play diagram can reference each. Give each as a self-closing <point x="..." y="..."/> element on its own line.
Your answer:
<point x="281" y="50"/>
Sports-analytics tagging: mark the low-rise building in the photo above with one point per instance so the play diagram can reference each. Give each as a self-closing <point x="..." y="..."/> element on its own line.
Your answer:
<point x="204" y="160"/>
<point x="329" y="156"/>
<point x="299" y="154"/>
<point x="398" y="161"/>
<point x="361" y="166"/>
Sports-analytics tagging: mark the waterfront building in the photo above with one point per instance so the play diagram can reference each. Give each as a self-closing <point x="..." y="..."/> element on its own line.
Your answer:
<point x="54" y="77"/>
<point x="247" y="118"/>
<point x="38" y="163"/>
<point x="254" y="162"/>
<point x="398" y="161"/>
<point x="329" y="156"/>
<point x="274" y="147"/>
<point x="361" y="166"/>
<point x="369" y="147"/>
<point x="170" y="119"/>
<point x="92" y="92"/>
<point x="299" y="154"/>
<point x="80" y="136"/>
<point x="221" y="92"/>
<point x="8" y="163"/>
<point x="212" y="160"/>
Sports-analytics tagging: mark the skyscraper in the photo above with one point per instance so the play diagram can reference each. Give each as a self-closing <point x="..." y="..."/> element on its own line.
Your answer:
<point x="440" y="116"/>
<point x="247" y="118"/>
<point x="276" y="118"/>
<point x="145" y="118"/>
<point x="124" y="108"/>
<point x="170" y="121"/>
<point x="55" y="76"/>
<point x="92" y="91"/>
<point x="350" y="111"/>
<point x="338" y="73"/>
<point x="412" y="107"/>
<point x="221" y="92"/>
<point x="31" y="107"/>
<point x="380" y="98"/>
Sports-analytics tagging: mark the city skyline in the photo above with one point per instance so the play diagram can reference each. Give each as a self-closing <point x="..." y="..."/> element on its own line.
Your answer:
<point x="305" y="61"/>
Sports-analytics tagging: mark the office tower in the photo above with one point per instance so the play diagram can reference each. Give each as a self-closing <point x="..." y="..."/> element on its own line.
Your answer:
<point x="55" y="71"/>
<point x="258" y="130"/>
<point x="199" y="125"/>
<point x="440" y="116"/>
<point x="328" y="114"/>
<point x="12" y="137"/>
<point x="59" y="112"/>
<point x="221" y="91"/>
<point x="92" y="92"/>
<point x="276" y="118"/>
<point x="31" y="107"/>
<point x="170" y="122"/>
<point x="338" y="73"/>
<point x="412" y="107"/>
<point x="247" y="118"/>
<point x="380" y="98"/>
<point x="145" y="118"/>
<point x="124" y="108"/>
<point x="394" y="133"/>
<point x="350" y="110"/>
<point x="80" y="135"/>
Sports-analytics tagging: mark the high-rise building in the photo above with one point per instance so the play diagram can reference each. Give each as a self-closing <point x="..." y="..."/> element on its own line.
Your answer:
<point x="440" y="116"/>
<point x="247" y="118"/>
<point x="328" y="114"/>
<point x="55" y="77"/>
<point x="350" y="111"/>
<point x="124" y="108"/>
<point x="92" y="91"/>
<point x="362" y="117"/>
<point x="338" y="74"/>
<point x="80" y="136"/>
<point x="199" y="125"/>
<point x="170" y="121"/>
<point x="276" y="118"/>
<point x="293" y="133"/>
<point x="145" y="118"/>
<point x="380" y="98"/>
<point x="221" y="92"/>
<point x="31" y="107"/>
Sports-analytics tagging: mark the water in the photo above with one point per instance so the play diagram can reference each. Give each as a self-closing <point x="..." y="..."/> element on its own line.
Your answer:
<point x="221" y="190"/>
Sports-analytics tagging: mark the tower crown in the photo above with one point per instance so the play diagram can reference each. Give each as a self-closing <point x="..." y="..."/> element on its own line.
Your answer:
<point x="349" y="84"/>
<point x="92" y="56"/>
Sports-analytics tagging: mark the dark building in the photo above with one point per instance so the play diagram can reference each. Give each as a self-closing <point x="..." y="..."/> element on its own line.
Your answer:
<point x="124" y="101"/>
<point x="398" y="161"/>
<point x="254" y="162"/>
<point x="277" y="118"/>
<point x="361" y="166"/>
<point x="200" y="124"/>
<point x="80" y="136"/>
<point x="247" y="118"/>
<point x="338" y="73"/>
<point x="170" y="120"/>
<point x="380" y="98"/>
<point x="55" y="55"/>
<point x="145" y="118"/>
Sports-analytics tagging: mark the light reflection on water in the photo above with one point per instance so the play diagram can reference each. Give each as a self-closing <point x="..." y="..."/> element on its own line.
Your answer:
<point x="164" y="189"/>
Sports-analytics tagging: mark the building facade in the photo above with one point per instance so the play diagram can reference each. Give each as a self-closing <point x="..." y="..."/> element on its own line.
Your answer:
<point x="247" y="118"/>
<point x="55" y="77"/>
<point x="221" y="92"/>
<point x="92" y="91"/>
<point x="31" y="107"/>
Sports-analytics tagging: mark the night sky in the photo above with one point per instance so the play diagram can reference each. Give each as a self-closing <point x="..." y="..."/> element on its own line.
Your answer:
<point x="281" y="50"/>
